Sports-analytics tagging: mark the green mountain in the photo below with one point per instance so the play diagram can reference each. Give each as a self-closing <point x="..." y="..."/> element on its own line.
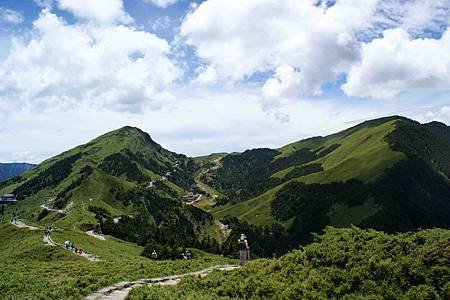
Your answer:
<point x="390" y="174"/>
<point x="122" y="183"/>
<point x="12" y="169"/>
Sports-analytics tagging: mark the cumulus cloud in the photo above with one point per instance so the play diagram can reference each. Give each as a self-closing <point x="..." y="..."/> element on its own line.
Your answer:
<point x="10" y="16"/>
<point x="100" y="11"/>
<point x="306" y="43"/>
<point x="117" y="67"/>
<point x="265" y="35"/>
<point x="161" y="3"/>
<point x="396" y="63"/>
<point x="286" y="81"/>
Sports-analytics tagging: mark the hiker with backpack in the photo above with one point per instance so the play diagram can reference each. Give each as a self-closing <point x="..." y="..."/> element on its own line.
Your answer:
<point x="244" y="250"/>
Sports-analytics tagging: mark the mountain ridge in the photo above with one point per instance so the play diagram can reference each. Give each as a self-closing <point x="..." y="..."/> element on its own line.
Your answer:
<point x="361" y="176"/>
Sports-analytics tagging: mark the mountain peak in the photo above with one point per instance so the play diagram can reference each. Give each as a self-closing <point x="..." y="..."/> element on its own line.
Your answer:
<point x="129" y="130"/>
<point x="129" y="133"/>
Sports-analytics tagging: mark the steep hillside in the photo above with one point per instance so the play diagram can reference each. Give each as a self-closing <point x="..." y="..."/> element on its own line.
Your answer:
<point x="8" y="170"/>
<point x="122" y="183"/>
<point x="361" y="152"/>
<point x="390" y="174"/>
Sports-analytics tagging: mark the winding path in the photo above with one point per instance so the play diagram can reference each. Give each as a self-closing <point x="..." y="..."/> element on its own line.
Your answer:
<point x="61" y="211"/>
<point x="120" y="291"/>
<point x="21" y="224"/>
<point x="48" y="239"/>
<point x="97" y="236"/>
<point x="91" y="257"/>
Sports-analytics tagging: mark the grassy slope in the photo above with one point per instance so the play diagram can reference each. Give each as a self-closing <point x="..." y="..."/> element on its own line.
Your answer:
<point x="207" y="158"/>
<point x="30" y="269"/>
<point x="363" y="154"/>
<point x="96" y="190"/>
<point x="343" y="264"/>
<point x="68" y="276"/>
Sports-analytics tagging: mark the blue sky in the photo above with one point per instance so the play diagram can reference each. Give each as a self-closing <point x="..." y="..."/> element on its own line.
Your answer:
<point x="215" y="75"/>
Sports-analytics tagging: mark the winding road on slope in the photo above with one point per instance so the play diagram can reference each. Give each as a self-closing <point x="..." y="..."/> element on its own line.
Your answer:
<point x="120" y="291"/>
<point x="61" y="211"/>
<point x="21" y="224"/>
<point x="48" y="240"/>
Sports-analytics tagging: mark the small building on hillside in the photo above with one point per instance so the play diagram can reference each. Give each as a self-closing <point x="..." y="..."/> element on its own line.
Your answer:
<point x="8" y="199"/>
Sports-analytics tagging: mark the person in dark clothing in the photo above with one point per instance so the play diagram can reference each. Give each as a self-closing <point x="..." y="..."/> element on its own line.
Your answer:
<point x="243" y="249"/>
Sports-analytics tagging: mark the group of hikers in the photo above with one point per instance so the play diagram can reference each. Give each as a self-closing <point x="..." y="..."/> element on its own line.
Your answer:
<point x="71" y="247"/>
<point x="67" y="244"/>
<point x="186" y="255"/>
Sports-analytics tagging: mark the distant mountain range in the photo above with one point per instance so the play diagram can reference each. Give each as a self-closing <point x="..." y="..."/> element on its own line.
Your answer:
<point x="12" y="169"/>
<point x="390" y="174"/>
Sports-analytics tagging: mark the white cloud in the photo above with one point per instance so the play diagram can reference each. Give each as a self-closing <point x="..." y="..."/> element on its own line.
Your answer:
<point x="441" y="114"/>
<point x="161" y="3"/>
<point x="286" y="82"/>
<point x="305" y="45"/>
<point x="114" y="67"/>
<point x="99" y="11"/>
<point x="207" y="75"/>
<point x="240" y="38"/>
<point x="396" y="63"/>
<point x="10" y="16"/>
<point x="415" y="16"/>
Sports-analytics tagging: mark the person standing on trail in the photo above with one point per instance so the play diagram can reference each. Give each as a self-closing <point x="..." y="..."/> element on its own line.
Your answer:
<point x="243" y="249"/>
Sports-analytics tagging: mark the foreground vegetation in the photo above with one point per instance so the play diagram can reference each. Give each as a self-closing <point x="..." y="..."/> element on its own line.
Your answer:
<point x="31" y="269"/>
<point x="341" y="264"/>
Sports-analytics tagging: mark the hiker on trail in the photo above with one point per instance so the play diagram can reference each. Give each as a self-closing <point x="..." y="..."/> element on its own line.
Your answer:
<point x="243" y="249"/>
<point x="154" y="254"/>
<point x="47" y="231"/>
